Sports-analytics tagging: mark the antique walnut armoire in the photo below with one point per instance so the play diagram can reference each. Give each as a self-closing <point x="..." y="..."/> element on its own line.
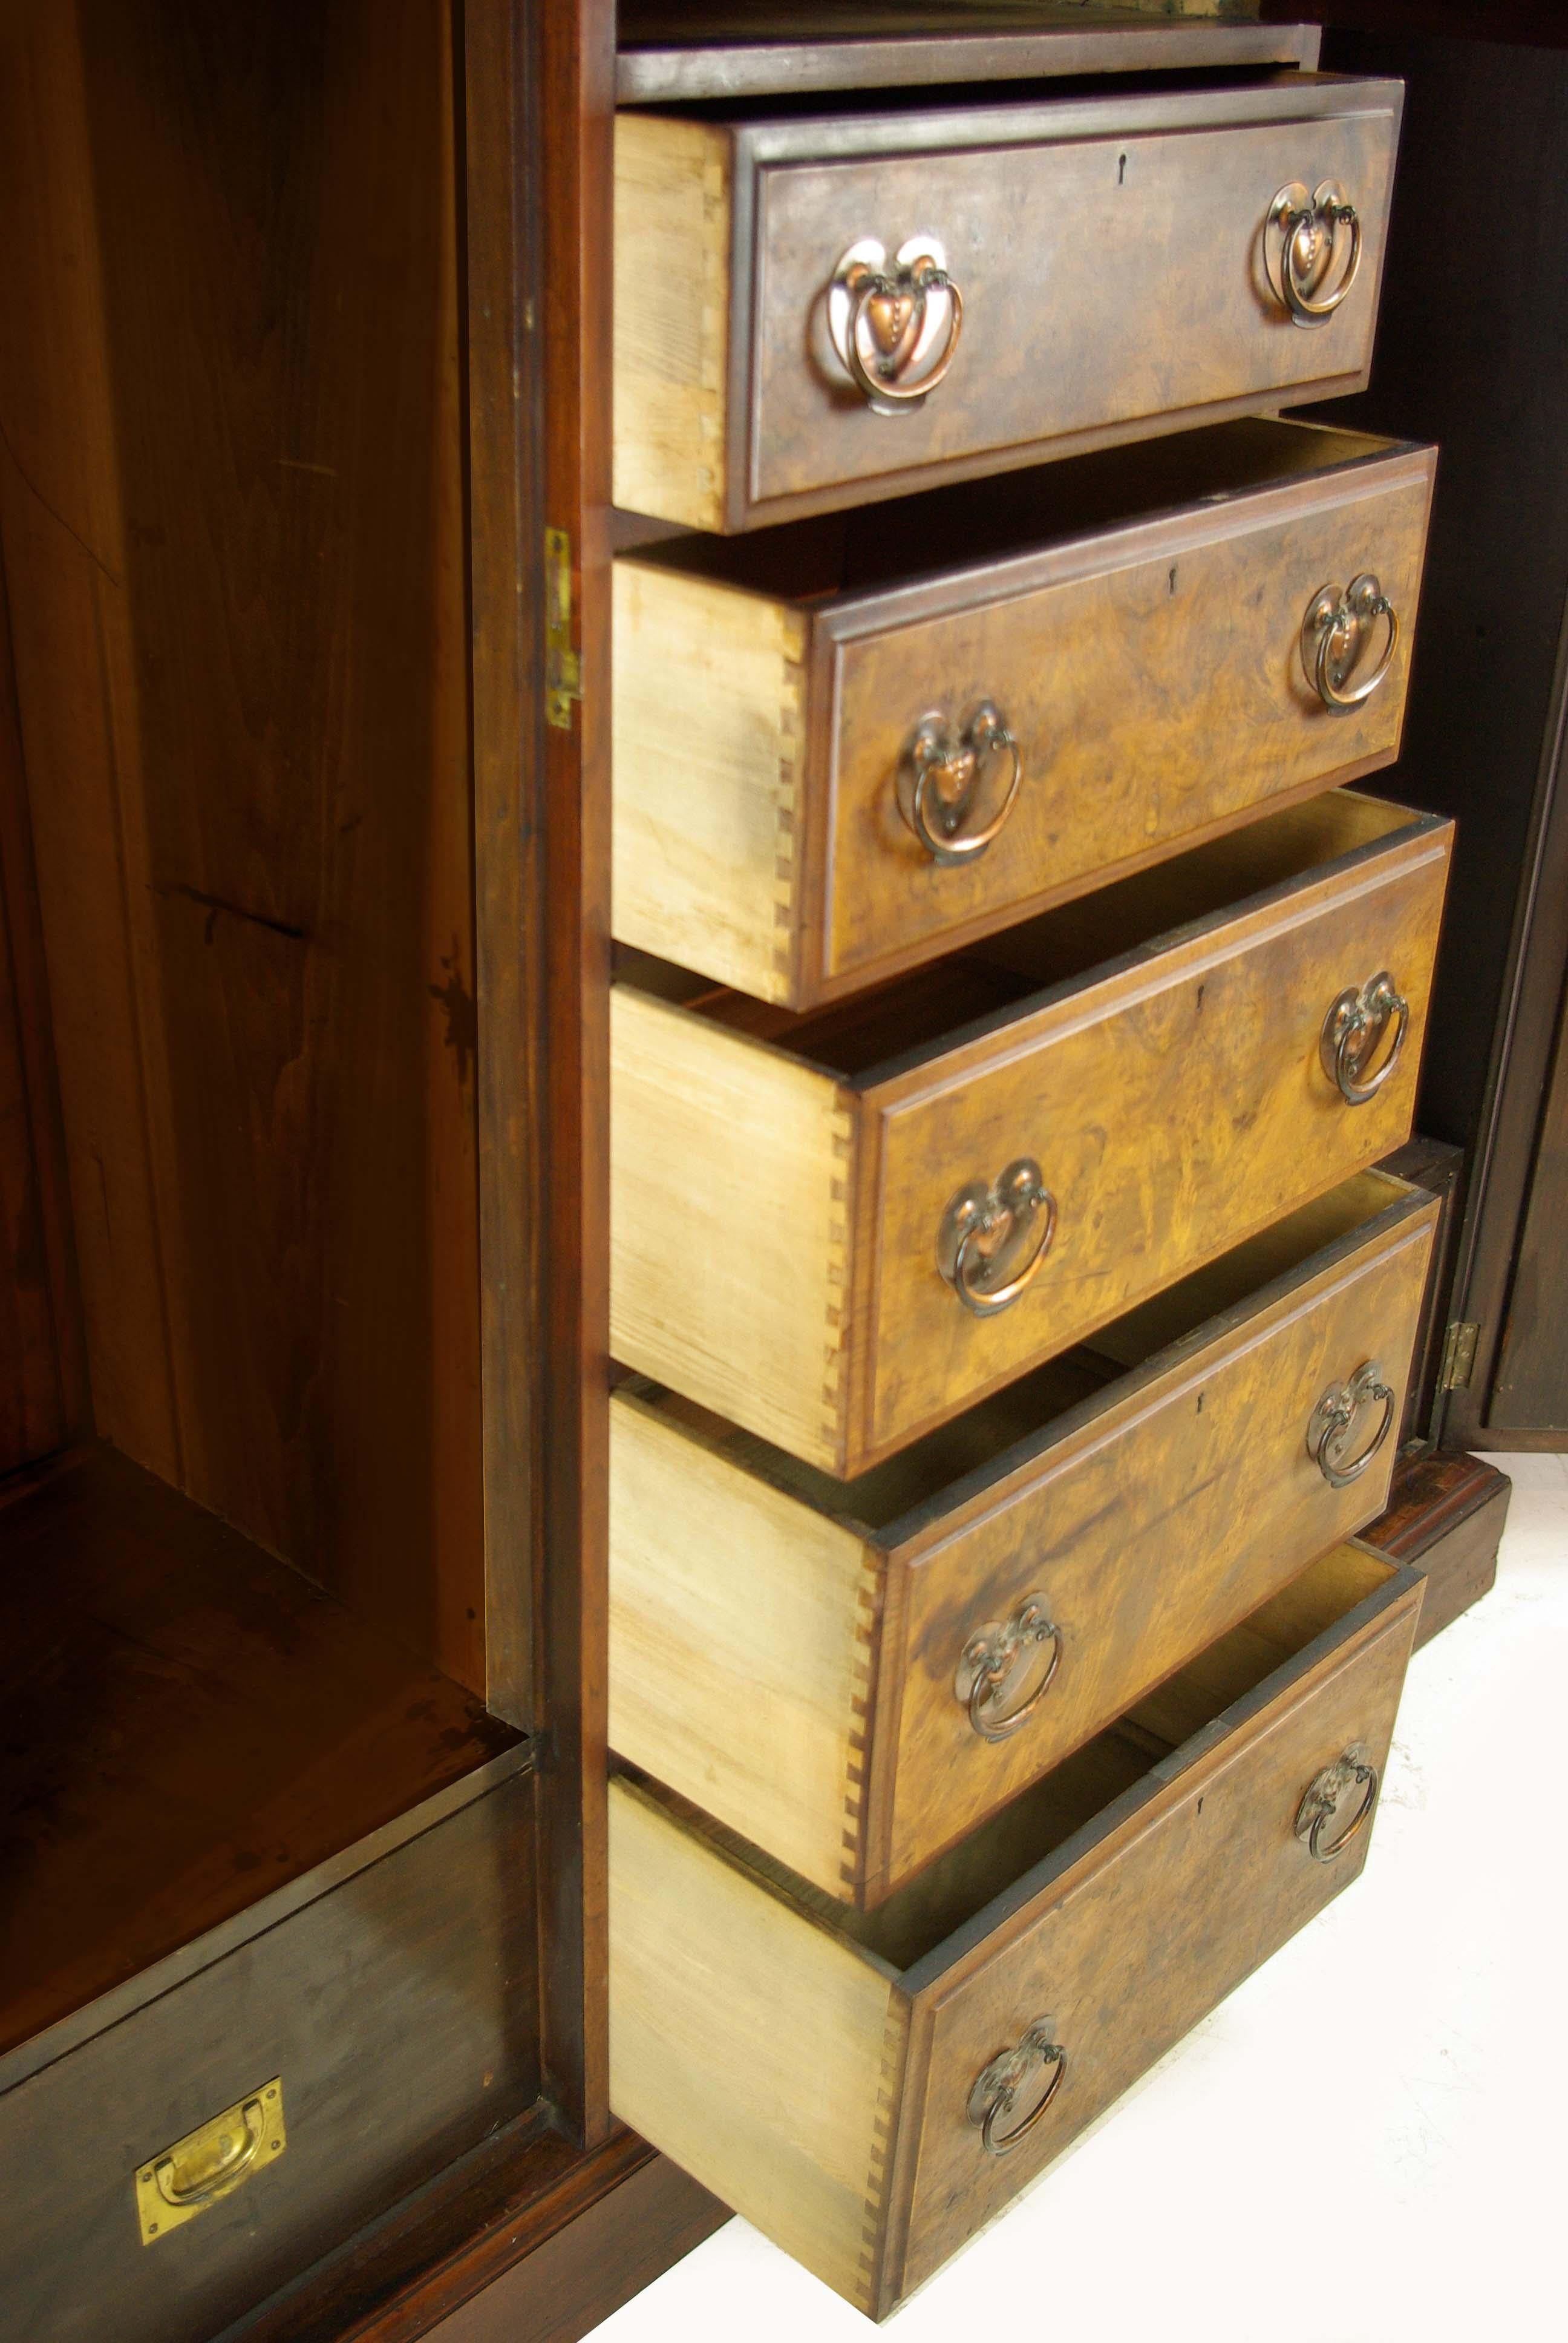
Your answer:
<point x="720" y="1316"/>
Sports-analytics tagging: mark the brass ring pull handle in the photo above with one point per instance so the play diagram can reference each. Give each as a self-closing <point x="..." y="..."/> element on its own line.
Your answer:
<point x="236" y="2156"/>
<point x="1302" y="240"/>
<point x="996" y="1663"/>
<point x="1335" y="1416"/>
<point x="939" y="776"/>
<point x="1333" y="631"/>
<point x="1321" y="1803"/>
<point x="896" y="324"/>
<point x="994" y="1236"/>
<point x="1354" y="1032"/>
<point x="999" y="2088"/>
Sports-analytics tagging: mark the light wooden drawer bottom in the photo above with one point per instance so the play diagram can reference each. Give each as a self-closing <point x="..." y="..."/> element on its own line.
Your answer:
<point x="831" y="2075"/>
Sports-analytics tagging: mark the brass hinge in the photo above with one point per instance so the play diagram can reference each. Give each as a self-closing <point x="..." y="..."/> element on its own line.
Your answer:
<point x="563" y="666"/>
<point x="1458" y="1356"/>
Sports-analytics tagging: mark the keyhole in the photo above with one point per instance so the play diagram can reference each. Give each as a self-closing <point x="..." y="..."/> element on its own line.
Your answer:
<point x="1200" y="1402"/>
<point x="1122" y="171"/>
<point x="1173" y="581"/>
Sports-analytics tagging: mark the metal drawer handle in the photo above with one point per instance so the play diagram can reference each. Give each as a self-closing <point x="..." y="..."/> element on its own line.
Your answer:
<point x="1354" y="1033"/>
<point x="938" y="780"/>
<point x="895" y="325"/>
<point x="1336" y="626"/>
<point x="234" y="2155"/>
<point x="983" y="1236"/>
<point x="1302" y="240"/>
<point x="996" y="1658"/>
<point x="1320" y="1800"/>
<point x="1335" y="1416"/>
<point x="998" y="2089"/>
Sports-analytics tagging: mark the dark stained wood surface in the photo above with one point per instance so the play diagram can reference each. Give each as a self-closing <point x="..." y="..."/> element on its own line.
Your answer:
<point x="1470" y="353"/>
<point x="33" y="1408"/>
<point x="1529" y="1388"/>
<point x="527" y="2239"/>
<point x="188" y="1724"/>
<point x="231" y="499"/>
<point x="1447" y="1517"/>
<point x="571" y="62"/>
<point x="1434" y="1165"/>
<point x="397" y="2008"/>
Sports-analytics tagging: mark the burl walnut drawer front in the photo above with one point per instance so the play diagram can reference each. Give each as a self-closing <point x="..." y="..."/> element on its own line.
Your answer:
<point x="846" y="744"/>
<point x="839" y="1247"/>
<point x="871" y="2090"/>
<point x="854" y="1676"/>
<point x="811" y="312"/>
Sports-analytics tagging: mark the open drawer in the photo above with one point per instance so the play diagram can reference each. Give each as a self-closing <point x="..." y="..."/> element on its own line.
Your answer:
<point x="841" y="1229"/>
<point x="848" y="744"/>
<point x="815" y="308"/>
<point x="854" y="1675"/>
<point x="870" y="2090"/>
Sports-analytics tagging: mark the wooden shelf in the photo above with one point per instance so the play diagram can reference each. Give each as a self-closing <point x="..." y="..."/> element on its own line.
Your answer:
<point x="681" y="55"/>
<point x="189" y="1725"/>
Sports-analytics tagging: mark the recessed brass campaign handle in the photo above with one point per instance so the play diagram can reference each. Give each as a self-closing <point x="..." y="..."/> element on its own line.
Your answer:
<point x="993" y="1661"/>
<point x="895" y="324"/>
<point x="939" y="776"/>
<point x="1321" y="1803"/>
<point x="1303" y="239"/>
<point x="1354" y="1032"/>
<point x="994" y="1235"/>
<point x="1337" y="624"/>
<point x="999" y="2088"/>
<point x="1335" y="1417"/>
<point x="173" y="2186"/>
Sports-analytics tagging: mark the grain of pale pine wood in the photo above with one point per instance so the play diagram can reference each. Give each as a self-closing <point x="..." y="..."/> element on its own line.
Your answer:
<point x="709" y="735"/>
<point x="730" y="1165"/>
<point x="672" y="303"/>
<point x="739" y="1643"/>
<point x="747" y="2041"/>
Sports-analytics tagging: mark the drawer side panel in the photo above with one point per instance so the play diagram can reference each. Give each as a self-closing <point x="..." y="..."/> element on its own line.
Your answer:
<point x="748" y="2044"/>
<point x="730" y="1172"/>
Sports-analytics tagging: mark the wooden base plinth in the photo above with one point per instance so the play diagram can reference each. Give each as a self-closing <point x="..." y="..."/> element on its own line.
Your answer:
<point x="1446" y="1517"/>
<point x="526" y="2240"/>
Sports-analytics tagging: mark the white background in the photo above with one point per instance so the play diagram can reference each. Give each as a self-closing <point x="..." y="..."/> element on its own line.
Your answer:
<point x="1367" y="2143"/>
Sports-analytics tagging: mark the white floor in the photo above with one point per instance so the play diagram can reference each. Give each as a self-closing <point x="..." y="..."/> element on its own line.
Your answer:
<point x="1366" y="2143"/>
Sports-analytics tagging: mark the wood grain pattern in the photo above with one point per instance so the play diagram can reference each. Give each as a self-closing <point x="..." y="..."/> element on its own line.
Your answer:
<point x="1123" y="237"/>
<point x="731" y="1160"/>
<point x="672" y="307"/>
<point x="195" y="1725"/>
<point x="398" y="2008"/>
<point x="1446" y="1514"/>
<point x="783" y="1647"/>
<point x="709" y="738"/>
<point x="746" y="2040"/>
<point x="1135" y="1942"/>
<point x="757" y="2025"/>
<point x="32" y="1393"/>
<point x="1169" y="1083"/>
<point x="1147" y="661"/>
<point x="1177" y="1106"/>
<point x="232" y="507"/>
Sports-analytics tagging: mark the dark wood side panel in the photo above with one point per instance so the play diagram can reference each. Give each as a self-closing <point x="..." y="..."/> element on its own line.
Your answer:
<point x="1530" y="1389"/>
<point x="33" y="1408"/>
<point x="232" y="505"/>
<point x="397" y="2010"/>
